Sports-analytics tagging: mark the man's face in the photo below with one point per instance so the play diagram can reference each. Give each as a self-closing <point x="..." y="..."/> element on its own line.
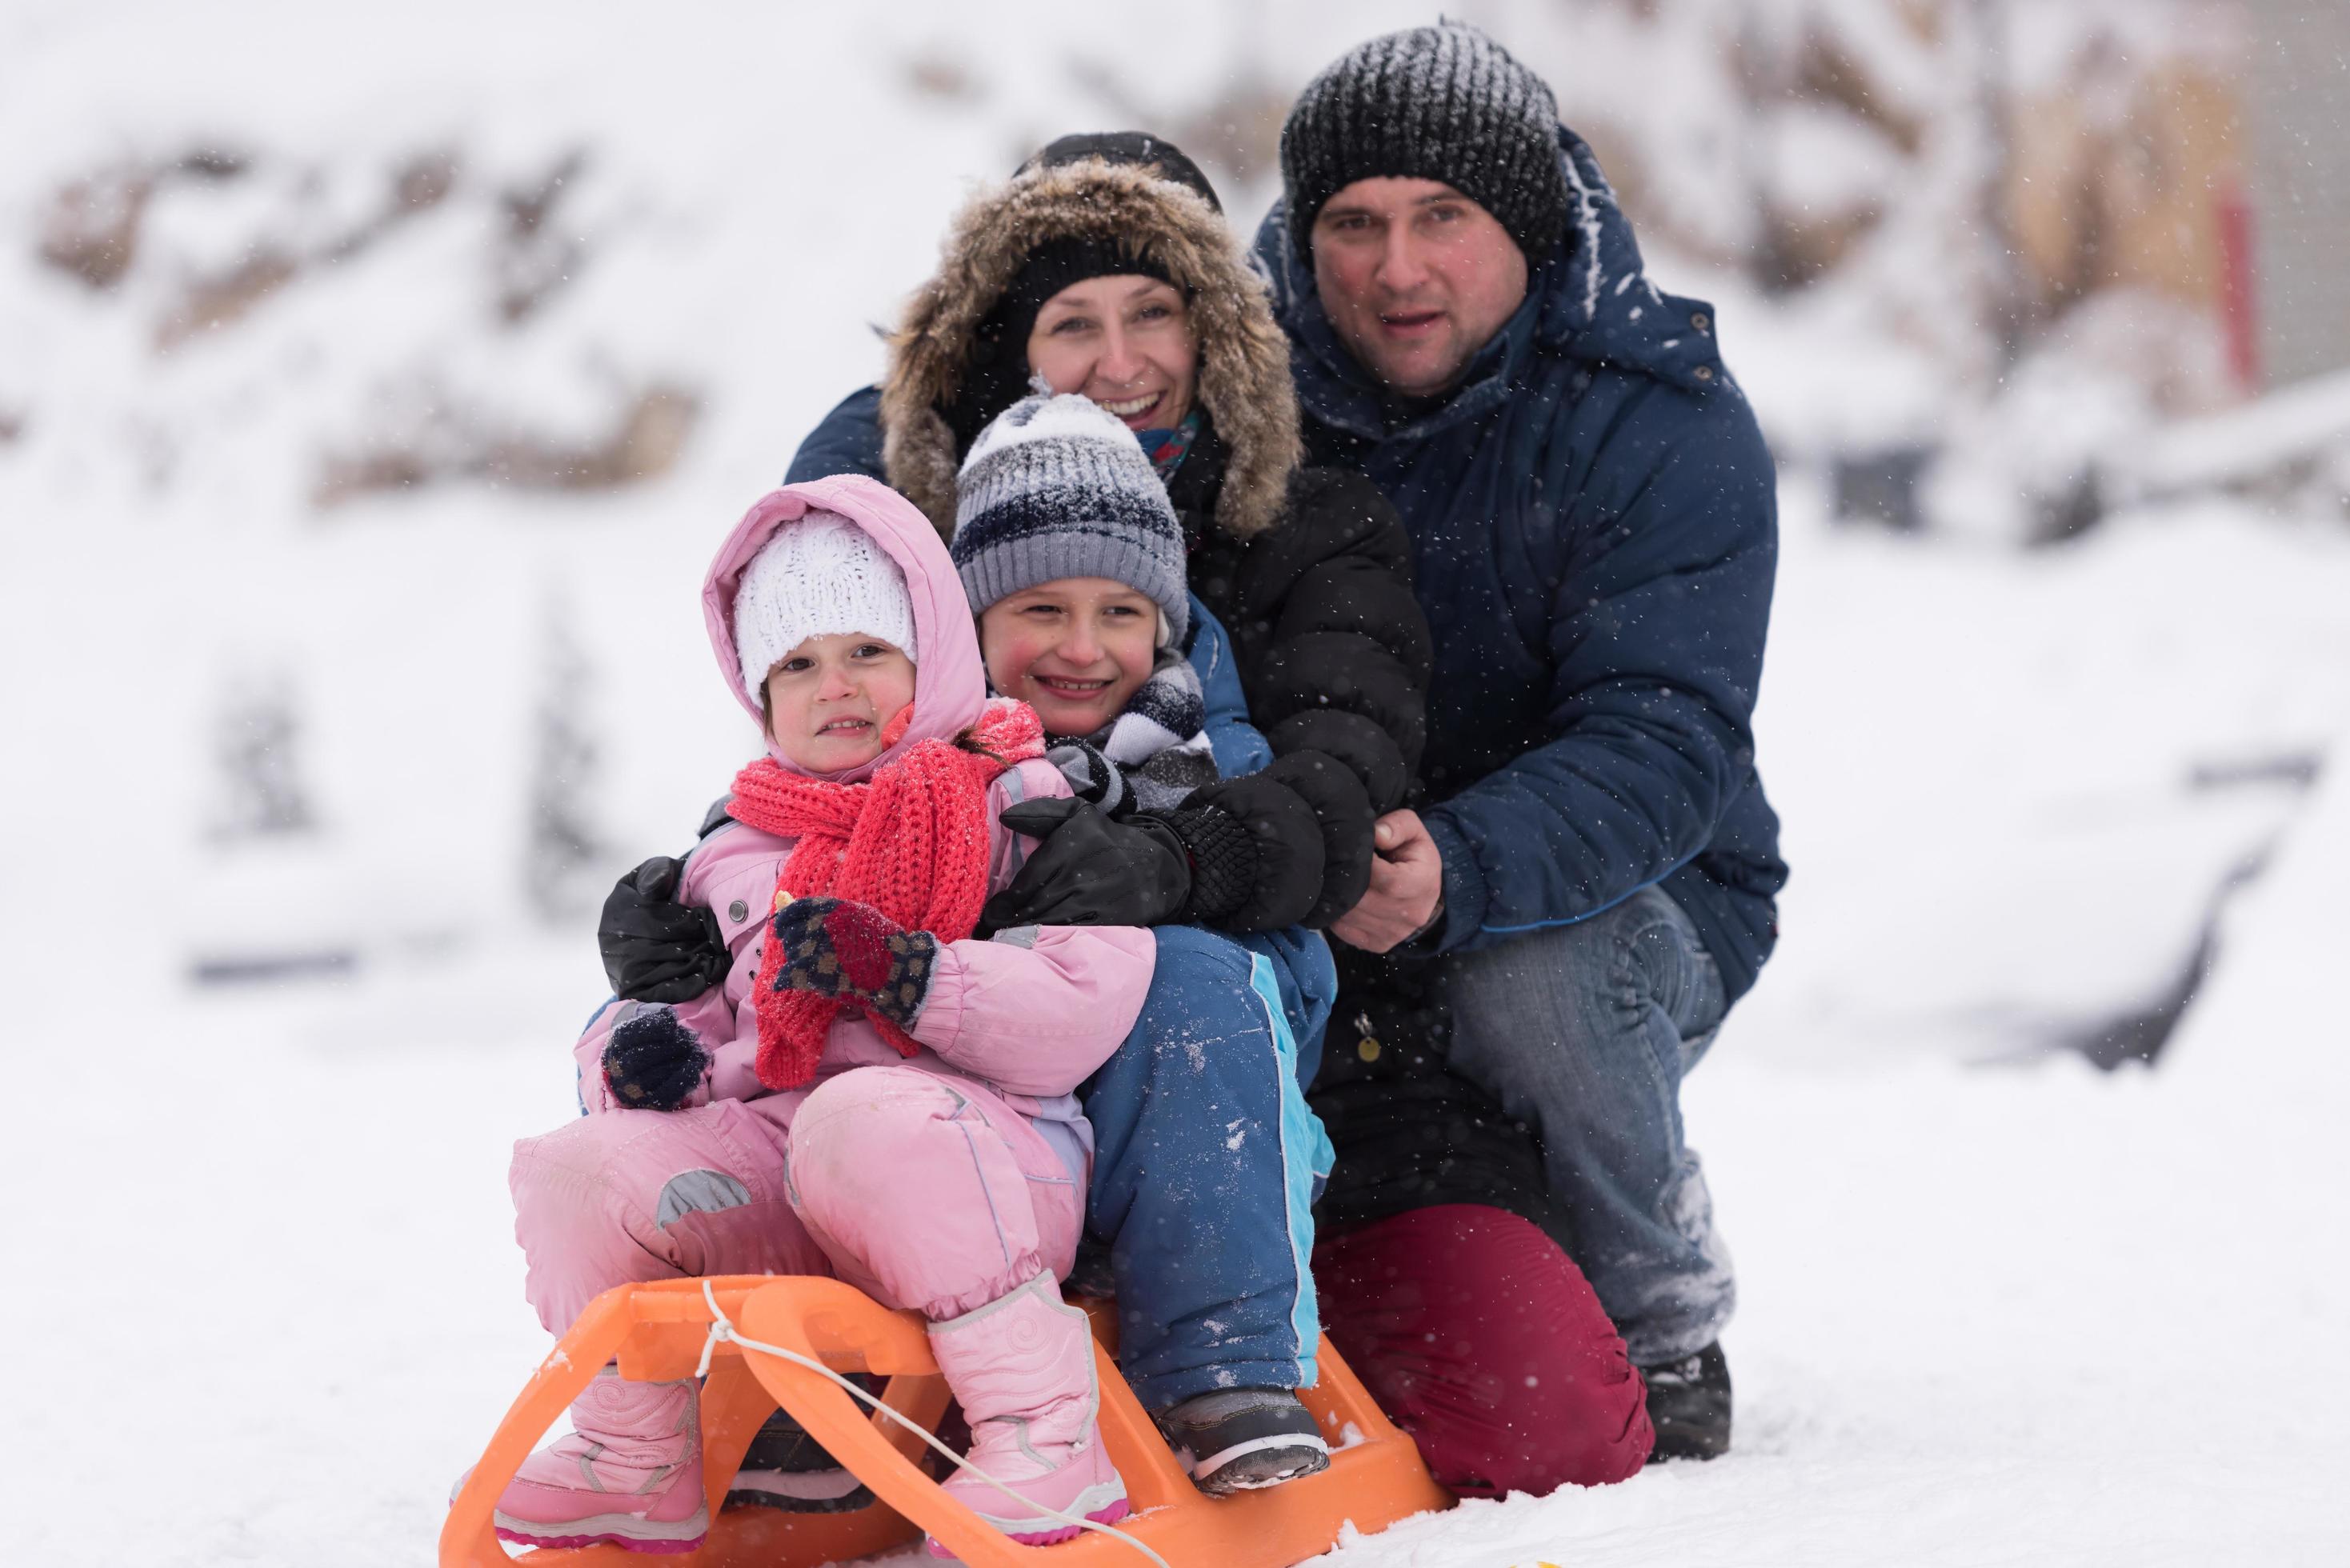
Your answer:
<point x="1416" y="277"/>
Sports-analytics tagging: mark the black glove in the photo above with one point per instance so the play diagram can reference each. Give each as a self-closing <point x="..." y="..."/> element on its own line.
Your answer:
<point x="652" y="1061"/>
<point x="656" y="949"/>
<point x="1285" y="841"/>
<point x="1090" y="871"/>
<point x="1343" y="811"/>
<point x="1224" y="862"/>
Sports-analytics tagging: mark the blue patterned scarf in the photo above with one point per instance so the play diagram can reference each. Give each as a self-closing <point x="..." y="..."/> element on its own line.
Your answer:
<point x="1153" y="754"/>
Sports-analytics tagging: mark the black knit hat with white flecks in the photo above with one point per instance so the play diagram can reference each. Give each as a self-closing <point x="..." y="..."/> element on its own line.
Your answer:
<point x="1057" y="486"/>
<point x="1444" y="103"/>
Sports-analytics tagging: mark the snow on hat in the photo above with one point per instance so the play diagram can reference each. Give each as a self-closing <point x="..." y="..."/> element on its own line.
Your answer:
<point x="1057" y="486"/>
<point x="1443" y="103"/>
<point x="820" y="576"/>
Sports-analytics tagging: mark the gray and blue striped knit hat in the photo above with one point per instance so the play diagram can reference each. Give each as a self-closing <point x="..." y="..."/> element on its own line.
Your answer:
<point x="1057" y="486"/>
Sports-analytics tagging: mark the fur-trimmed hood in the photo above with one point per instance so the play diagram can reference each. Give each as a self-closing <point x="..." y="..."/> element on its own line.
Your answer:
<point x="1243" y="383"/>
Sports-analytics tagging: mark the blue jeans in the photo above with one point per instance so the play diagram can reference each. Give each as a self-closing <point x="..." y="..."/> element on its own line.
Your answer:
<point x="1586" y="1032"/>
<point x="1206" y="1163"/>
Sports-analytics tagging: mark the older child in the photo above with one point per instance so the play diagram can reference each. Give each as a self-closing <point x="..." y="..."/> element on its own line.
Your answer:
<point x="870" y="1091"/>
<point x="1073" y="560"/>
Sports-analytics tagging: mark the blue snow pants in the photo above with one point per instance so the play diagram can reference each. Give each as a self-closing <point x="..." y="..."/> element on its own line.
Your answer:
<point x="1207" y="1163"/>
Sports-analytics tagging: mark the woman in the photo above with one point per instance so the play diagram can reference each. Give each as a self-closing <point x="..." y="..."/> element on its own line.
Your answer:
<point x="1106" y="268"/>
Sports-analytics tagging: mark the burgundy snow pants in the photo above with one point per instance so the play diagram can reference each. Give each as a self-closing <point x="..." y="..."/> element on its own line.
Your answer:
<point x="1481" y="1338"/>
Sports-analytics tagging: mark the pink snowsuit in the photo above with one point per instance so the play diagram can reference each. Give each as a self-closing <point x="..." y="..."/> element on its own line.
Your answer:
<point x="940" y="1181"/>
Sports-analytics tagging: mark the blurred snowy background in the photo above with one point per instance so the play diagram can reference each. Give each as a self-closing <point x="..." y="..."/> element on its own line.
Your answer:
<point x="375" y="382"/>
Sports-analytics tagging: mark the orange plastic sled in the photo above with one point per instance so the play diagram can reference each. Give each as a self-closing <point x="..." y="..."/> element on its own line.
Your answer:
<point x="657" y="1332"/>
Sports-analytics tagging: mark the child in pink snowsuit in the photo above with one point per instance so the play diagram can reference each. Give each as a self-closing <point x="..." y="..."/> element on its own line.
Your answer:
<point x="871" y="1093"/>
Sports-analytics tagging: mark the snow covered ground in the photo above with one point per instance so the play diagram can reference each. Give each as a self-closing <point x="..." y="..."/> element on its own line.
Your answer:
<point x="1997" y="1306"/>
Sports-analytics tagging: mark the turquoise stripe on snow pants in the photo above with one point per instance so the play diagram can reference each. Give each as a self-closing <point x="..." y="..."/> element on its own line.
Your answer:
<point x="1207" y="1163"/>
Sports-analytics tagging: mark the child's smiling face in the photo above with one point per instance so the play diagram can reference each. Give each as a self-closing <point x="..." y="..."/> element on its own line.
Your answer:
<point x="1075" y="649"/>
<point x="830" y="700"/>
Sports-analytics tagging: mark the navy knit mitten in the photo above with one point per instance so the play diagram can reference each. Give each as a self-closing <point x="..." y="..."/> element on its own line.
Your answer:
<point x="652" y="1061"/>
<point x="836" y="947"/>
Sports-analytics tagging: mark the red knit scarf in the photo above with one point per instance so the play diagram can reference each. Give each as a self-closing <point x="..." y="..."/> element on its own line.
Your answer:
<point x="912" y="843"/>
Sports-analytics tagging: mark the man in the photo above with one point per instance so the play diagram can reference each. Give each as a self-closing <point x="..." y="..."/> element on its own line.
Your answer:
<point x="1594" y="527"/>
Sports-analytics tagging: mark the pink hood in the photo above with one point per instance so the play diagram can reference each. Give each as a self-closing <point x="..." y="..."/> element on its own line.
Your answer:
<point x="949" y="681"/>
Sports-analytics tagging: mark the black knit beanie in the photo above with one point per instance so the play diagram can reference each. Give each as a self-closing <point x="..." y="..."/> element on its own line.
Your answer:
<point x="998" y="376"/>
<point x="1161" y="157"/>
<point x="1444" y="103"/>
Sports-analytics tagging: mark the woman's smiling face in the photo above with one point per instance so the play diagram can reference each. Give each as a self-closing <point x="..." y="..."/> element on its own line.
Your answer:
<point x="1075" y="649"/>
<point x="1124" y="341"/>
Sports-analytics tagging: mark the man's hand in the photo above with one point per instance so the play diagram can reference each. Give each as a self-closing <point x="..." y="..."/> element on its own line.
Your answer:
<point x="1406" y="879"/>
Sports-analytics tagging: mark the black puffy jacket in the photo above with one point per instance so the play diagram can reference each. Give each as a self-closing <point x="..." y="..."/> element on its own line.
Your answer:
<point x="1323" y="625"/>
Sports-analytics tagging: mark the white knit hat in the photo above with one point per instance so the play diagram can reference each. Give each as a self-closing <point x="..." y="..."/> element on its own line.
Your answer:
<point x="820" y="576"/>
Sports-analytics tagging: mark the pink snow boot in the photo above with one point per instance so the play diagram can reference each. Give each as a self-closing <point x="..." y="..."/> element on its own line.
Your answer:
<point x="629" y="1473"/>
<point x="1022" y="1367"/>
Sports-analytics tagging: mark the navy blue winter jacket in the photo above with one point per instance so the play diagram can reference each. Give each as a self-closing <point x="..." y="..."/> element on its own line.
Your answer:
<point x="1595" y="531"/>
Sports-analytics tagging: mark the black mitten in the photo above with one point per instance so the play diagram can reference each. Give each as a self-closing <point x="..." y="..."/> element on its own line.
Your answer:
<point x="656" y="949"/>
<point x="652" y="1061"/>
<point x="1343" y="810"/>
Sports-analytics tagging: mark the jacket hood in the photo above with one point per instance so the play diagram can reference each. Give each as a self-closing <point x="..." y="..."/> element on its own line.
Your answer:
<point x="949" y="681"/>
<point x="1243" y="383"/>
<point x="1590" y="300"/>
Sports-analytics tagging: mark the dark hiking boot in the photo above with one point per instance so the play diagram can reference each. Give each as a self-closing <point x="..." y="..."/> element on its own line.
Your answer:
<point x="787" y="1470"/>
<point x="1242" y="1439"/>
<point x="1689" y="1404"/>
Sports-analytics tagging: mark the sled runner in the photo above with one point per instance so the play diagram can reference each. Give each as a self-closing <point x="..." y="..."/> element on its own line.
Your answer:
<point x="664" y="1331"/>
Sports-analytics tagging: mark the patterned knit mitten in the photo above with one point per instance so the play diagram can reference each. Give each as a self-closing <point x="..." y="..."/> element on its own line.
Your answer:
<point x="835" y="947"/>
